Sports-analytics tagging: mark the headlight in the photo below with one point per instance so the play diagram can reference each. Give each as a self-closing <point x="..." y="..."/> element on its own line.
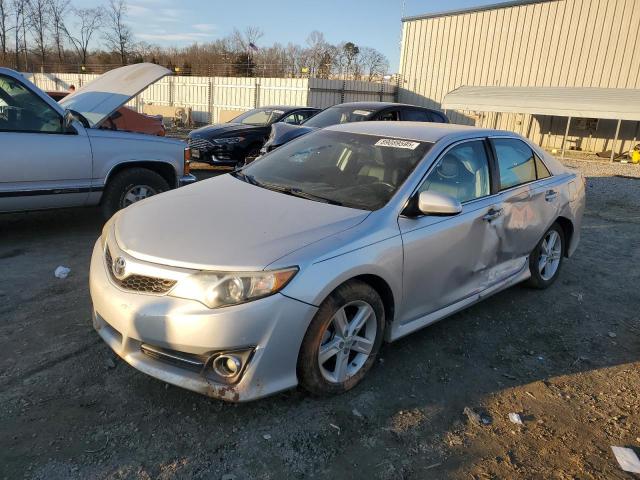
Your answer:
<point x="221" y="289"/>
<point x="228" y="141"/>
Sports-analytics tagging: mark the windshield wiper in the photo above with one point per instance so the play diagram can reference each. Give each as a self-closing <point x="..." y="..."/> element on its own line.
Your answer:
<point x="246" y="178"/>
<point x="296" y="192"/>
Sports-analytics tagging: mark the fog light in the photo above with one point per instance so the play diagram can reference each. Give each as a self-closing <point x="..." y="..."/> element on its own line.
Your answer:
<point x="227" y="365"/>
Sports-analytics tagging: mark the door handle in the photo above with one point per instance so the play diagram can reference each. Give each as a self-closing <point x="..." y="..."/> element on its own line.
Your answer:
<point x="492" y="214"/>
<point x="550" y="195"/>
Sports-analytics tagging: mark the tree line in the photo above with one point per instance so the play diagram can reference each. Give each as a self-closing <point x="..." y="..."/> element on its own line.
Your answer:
<point x="55" y="35"/>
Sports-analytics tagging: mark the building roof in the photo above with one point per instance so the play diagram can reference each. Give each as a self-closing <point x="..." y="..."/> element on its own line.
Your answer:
<point x="479" y="8"/>
<point x="577" y="102"/>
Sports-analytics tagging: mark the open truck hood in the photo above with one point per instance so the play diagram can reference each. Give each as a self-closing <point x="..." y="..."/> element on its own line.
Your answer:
<point x="104" y="95"/>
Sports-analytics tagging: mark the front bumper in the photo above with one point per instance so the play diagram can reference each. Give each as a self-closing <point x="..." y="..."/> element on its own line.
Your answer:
<point x="274" y="326"/>
<point x="186" y="180"/>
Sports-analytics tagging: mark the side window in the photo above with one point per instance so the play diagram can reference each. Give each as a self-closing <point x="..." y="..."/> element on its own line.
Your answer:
<point x="416" y="116"/>
<point x="389" y="116"/>
<point x="23" y="111"/>
<point x="293" y="118"/>
<point x="463" y="173"/>
<point x="306" y="114"/>
<point x="541" y="169"/>
<point x="516" y="162"/>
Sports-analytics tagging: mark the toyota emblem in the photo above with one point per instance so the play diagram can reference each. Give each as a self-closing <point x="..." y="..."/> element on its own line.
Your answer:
<point x="119" y="267"/>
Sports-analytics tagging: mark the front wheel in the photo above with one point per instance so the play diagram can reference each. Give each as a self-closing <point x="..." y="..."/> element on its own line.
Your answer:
<point x="130" y="186"/>
<point x="343" y="340"/>
<point x="546" y="259"/>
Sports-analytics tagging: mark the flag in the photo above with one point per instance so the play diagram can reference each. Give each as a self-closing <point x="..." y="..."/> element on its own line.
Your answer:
<point x="253" y="46"/>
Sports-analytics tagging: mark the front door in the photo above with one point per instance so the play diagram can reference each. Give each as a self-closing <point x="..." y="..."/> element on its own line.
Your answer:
<point x="447" y="259"/>
<point x="41" y="165"/>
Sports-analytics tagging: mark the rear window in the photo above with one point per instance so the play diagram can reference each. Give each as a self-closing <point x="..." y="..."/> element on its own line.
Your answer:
<point x="337" y="115"/>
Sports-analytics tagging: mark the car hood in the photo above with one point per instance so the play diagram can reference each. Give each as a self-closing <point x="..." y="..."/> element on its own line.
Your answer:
<point x="212" y="131"/>
<point x="226" y="224"/>
<point x="284" y="132"/>
<point x="104" y="95"/>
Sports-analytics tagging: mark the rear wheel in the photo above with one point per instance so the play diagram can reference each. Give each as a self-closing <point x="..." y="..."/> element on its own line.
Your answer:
<point x="546" y="259"/>
<point x="130" y="186"/>
<point x="343" y="340"/>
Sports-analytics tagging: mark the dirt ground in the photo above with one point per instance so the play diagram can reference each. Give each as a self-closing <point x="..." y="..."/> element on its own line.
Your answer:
<point x="566" y="359"/>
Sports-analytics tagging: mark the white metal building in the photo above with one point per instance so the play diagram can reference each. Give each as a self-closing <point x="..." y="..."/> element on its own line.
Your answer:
<point x="534" y="43"/>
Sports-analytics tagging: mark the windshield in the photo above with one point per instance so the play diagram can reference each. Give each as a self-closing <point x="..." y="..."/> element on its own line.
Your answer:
<point x="337" y="115"/>
<point x="259" y="117"/>
<point x="354" y="170"/>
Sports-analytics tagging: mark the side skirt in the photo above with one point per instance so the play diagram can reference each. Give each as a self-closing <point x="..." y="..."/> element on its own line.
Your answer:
<point x="421" y="322"/>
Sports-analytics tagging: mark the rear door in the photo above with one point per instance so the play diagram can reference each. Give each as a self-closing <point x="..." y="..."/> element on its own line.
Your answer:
<point x="41" y="166"/>
<point x="530" y="201"/>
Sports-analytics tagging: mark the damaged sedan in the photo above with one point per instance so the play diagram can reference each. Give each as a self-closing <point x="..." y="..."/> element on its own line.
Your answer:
<point x="341" y="239"/>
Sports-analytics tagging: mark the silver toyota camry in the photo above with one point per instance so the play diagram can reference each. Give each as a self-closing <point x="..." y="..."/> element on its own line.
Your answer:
<point x="338" y="241"/>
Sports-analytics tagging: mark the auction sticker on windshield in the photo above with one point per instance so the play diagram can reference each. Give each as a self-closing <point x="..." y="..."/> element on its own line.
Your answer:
<point x="361" y="112"/>
<point x="392" y="142"/>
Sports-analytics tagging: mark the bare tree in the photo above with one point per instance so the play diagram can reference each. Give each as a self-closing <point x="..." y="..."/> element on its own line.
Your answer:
<point x="18" y="24"/>
<point x="243" y="41"/>
<point x="37" y="12"/>
<point x="88" y="23"/>
<point x="4" y="28"/>
<point x="373" y="63"/>
<point x="58" y="10"/>
<point x="118" y="35"/>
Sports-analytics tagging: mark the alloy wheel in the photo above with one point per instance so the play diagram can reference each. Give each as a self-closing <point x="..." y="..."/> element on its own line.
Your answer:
<point x="550" y="253"/>
<point x="137" y="193"/>
<point x="347" y="341"/>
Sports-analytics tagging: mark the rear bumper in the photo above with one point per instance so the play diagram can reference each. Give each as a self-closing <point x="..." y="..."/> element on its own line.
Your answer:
<point x="186" y="180"/>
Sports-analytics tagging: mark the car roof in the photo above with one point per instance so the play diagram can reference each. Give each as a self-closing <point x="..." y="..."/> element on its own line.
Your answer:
<point x="287" y="108"/>
<point x="378" y="105"/>
<point x="419" y="131"/>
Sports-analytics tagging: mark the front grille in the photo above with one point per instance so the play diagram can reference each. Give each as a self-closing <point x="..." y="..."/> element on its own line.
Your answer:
<point x="201" y="144"/>
<point x="139" y="283"/>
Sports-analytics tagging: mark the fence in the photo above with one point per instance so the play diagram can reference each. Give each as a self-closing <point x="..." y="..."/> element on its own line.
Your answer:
<point x="207" y="97"/>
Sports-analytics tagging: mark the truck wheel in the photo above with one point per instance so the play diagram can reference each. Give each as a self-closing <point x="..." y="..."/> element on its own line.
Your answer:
<point x="130" y="186"/>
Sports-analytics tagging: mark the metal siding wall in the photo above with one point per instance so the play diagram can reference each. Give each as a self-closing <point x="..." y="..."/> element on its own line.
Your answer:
<point x="591" y="43"/>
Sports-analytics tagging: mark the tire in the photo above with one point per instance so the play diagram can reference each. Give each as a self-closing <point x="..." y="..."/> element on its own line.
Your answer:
<point x="313" y="376"/>
<point x="117" y="192"/>
<point x="542" y="278"/>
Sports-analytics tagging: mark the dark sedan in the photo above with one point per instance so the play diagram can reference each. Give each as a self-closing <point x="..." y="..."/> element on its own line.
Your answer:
<point x="229" y="144"/>
<point x="352" y="112"/>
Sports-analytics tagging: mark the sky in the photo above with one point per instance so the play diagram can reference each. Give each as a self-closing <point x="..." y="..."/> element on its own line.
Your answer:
<point x="373" y="23"/>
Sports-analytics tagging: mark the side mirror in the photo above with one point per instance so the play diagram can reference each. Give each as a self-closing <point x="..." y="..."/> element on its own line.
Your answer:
<point x="67" y="123"/>
<point x="434" y="203"/>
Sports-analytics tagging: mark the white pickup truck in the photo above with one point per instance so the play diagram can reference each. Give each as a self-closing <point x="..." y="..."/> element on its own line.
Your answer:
<point x="55" y="155"/>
